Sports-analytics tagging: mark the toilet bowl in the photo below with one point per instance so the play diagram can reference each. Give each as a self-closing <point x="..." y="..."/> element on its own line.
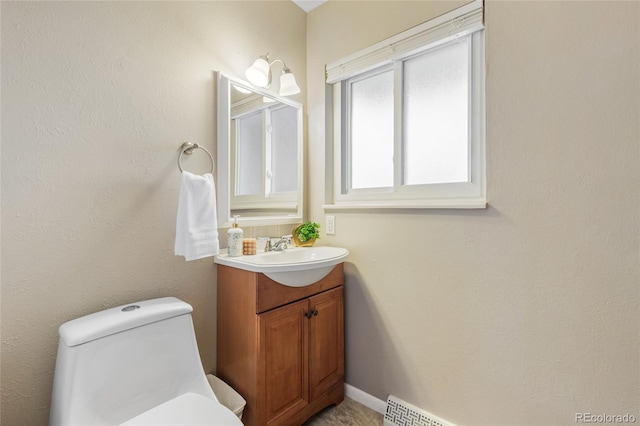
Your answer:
<point x="135" y="364"/>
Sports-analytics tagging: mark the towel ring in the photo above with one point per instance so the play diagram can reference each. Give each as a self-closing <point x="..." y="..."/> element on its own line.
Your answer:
<point x="187" y="148"/>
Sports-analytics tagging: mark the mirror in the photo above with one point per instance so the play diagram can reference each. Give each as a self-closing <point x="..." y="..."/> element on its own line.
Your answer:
<point x="259" y="161"/>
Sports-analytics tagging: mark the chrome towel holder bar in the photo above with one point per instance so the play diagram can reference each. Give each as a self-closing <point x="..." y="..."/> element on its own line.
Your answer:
<point x="187" y="148"/>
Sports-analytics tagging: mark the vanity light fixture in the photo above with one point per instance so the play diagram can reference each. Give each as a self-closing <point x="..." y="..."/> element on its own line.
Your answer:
<point x="259" y="74"/>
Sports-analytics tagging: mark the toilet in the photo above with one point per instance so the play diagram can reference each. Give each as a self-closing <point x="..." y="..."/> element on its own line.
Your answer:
<point x="136" y="364"/>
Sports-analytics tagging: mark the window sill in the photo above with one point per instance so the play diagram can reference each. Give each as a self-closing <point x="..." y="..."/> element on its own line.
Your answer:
<point x="472" y="203"/>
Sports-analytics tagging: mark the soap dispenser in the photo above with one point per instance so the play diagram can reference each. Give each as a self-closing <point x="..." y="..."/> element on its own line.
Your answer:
<point x="234" y="239"/>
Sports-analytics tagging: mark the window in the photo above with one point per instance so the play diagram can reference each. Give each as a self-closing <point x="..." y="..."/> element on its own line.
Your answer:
<point x="264" y="147"/>
<point x="249" y="154"/>
<point x="409" y="118"/>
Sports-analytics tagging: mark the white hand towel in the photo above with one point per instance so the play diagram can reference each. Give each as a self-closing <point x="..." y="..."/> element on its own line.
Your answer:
<point x="197" y="223"/>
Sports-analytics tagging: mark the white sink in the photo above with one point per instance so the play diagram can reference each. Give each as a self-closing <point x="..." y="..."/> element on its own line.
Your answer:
<point x="293" y="267"/>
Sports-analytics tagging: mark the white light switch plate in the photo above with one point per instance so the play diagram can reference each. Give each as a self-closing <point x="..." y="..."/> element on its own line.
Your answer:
<point x="331" y="225"/>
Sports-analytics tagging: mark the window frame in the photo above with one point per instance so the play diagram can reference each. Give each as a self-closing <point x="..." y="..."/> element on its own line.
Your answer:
<point x="433" y="35"/>
<point x="345" y="136"/>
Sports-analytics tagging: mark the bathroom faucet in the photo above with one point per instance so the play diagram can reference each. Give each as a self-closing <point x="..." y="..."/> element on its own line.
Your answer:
<point x="279" y="244"/>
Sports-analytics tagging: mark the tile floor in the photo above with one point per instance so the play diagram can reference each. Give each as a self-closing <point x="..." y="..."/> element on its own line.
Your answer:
<point x="348" y="413"/>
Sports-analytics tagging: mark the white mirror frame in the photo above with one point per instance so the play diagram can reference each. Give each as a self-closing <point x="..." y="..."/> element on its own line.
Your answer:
<point x="223" y="163"/>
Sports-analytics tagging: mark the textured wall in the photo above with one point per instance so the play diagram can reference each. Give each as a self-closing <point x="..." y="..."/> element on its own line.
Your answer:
<point x="527" y="312"/>
<point x="96" y="99"/>
<point x="523" y="313"/>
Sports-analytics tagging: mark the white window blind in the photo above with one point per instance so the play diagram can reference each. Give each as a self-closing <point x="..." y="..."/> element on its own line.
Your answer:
<point x="442" y="29"/>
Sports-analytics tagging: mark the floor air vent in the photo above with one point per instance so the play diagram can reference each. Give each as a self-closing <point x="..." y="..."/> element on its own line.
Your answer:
<point x="401" y="413"/>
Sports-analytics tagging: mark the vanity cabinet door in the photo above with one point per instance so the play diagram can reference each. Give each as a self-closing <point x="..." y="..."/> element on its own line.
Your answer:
<point x="283" y="359"/>
<point x="326" y="341"/>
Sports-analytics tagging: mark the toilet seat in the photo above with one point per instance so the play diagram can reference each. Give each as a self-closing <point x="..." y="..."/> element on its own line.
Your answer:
<point x="187" y="409"/>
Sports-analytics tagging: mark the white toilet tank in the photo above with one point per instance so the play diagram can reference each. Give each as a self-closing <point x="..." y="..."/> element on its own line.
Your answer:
<point x="116" y="364"/>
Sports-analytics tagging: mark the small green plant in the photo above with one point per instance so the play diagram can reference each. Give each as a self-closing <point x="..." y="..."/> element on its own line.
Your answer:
<point x="308" y="231"/>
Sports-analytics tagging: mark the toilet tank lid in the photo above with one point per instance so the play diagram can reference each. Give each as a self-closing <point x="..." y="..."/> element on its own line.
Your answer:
<point x="115" y="320"/>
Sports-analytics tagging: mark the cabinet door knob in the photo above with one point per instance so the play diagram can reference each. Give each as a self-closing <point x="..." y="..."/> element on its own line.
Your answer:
<point x="308" y="314"/>
<point x="314" y="312"/>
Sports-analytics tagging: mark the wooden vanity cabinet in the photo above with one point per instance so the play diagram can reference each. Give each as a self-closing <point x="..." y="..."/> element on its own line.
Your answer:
<point x="280" y="347"/>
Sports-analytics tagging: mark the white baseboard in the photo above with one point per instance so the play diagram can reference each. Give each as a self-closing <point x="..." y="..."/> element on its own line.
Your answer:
<point x="365" y="399"/>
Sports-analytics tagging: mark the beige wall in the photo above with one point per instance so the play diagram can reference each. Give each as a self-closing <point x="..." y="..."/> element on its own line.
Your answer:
<point x="524" y="313"/>
<point x="527" y="312"/>
<point x="96" y="99"/>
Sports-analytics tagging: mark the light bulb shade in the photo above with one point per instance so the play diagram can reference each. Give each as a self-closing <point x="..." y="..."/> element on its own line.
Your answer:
<point x="258" y="73"/>
<point x="288" y="85"/>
